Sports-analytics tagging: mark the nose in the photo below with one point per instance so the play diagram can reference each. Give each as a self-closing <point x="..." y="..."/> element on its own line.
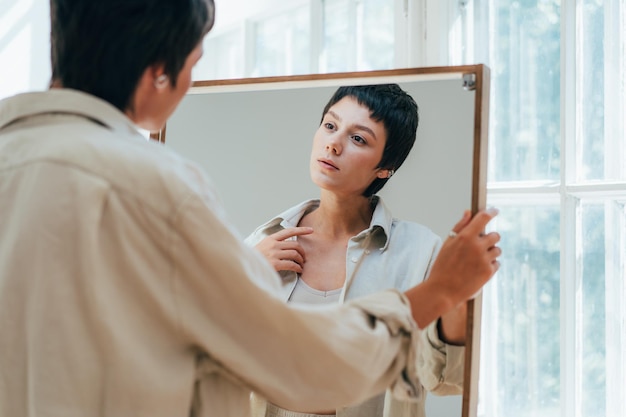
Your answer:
<point x="333" y="147"/>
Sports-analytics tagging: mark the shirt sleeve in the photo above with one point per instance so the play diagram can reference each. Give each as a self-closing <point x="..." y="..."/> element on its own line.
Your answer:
<point x="440" y="365"/>
<point x="295" y="356"/>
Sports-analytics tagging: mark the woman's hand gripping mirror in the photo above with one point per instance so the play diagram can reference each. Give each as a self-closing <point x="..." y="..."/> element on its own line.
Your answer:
<point x="467" y="261"/>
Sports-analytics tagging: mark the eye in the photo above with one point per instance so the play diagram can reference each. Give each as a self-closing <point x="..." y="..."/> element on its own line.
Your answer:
<point x="359" y="139"/>
<point x="329" y="126"/>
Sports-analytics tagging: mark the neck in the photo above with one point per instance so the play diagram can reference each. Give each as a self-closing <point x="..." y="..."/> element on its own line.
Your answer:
<point x="338" y="217"/>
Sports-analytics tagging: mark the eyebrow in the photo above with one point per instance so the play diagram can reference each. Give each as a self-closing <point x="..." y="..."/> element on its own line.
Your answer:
<point x="362" y="127"/>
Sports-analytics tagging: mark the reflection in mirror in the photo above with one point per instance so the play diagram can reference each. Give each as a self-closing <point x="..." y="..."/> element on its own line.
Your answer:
<point x="255" y="139"/>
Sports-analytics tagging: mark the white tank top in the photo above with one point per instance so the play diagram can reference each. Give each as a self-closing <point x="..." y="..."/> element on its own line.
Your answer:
<point x="304" y="294"/>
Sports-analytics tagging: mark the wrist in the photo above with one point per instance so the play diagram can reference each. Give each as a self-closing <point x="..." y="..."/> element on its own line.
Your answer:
<point x="429" y="302"/>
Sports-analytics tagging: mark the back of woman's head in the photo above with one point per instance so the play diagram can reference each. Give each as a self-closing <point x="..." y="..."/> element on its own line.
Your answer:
<point x="102" y="47"/>
<point x="389" y="104"/>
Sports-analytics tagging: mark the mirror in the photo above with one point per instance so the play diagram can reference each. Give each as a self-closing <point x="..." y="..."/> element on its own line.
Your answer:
<point x="253" y="137"/>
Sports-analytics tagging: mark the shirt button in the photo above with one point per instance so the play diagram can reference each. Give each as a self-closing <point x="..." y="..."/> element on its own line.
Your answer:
<point x="354" y="260"/>
<point x="367" y="251"/>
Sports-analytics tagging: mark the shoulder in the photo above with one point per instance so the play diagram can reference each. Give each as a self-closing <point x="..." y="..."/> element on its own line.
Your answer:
<point x="147" y="169"/>
<point x="412" y="233"/>
<point x="76" y="138"/>
<point x="402" y="231"/>
<point x="137" y="170"/>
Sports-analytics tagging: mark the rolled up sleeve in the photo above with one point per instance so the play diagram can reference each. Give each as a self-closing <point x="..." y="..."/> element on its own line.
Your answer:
<point x="440" y="366"/>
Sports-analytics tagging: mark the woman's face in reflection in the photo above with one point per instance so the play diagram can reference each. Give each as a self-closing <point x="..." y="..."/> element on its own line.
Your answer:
<point x="347" y="148"/>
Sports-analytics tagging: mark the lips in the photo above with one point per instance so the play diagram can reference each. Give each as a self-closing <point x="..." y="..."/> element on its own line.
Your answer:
<point x="327" y="163"/>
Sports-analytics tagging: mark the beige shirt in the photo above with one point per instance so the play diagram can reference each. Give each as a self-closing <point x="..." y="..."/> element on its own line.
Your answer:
<point x="125" y="292"/>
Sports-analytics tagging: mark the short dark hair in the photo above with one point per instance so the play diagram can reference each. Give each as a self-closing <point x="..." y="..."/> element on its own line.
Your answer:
<point x="400" y="115"/>
<point x="102" y="47"/>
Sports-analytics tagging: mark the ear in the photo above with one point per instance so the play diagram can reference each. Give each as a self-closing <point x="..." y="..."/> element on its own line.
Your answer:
<point x="151" y="82"/>
<point x="157" y="74"/>
<point x="147" y="95"/>
<point x="385" y="173"/>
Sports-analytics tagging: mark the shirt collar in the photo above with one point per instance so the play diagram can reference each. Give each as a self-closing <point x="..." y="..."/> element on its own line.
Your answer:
<point x="64" y="100"/>
<point x="381" y="219"/>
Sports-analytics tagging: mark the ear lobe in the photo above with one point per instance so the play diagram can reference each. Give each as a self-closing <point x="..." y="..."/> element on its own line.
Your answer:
<point x="385" y="173"/>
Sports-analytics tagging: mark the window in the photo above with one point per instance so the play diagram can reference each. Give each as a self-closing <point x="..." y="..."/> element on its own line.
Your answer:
<point x="554" y="320"/>
<point x="554" y="330"/>
<point x="303" y="37"/>
<point x="282" y="43"/>
<point x="24" y="26"/>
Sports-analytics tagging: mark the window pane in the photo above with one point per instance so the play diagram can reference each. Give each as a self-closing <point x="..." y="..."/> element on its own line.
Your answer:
<point x="339" y="37"/>
<point x="592" y="336"/>
<point x="601" y="77"/>
<point x="283" y="44"/>
<point x="591" y="79"/>
<point x="616" y="307"/>
<point x="520" y="358"/>
<point x="375" y="26"/>
<point x="222" y="58"/>
<point x="358" y="35"/>
<point x="524" y="54"/>
<point x="603" y="331"/>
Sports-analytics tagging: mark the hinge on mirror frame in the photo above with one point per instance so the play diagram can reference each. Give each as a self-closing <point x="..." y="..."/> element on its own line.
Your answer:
<point x="469" y="81"/>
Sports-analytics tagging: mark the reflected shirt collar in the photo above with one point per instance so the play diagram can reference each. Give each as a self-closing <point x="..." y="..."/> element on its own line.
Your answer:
<point x="382" y="219"/>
